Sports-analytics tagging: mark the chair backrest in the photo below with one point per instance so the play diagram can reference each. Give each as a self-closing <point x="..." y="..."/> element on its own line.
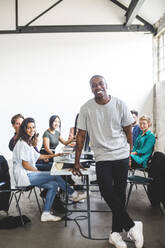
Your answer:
<point x="157" y="165"/>
<point x="4" y="170"/>
<point x="150" y="157"/>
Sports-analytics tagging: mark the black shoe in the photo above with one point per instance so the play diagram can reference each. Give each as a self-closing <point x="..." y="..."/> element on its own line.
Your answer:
<point x="43" y="193"/>
<point x="95" y="182"/>
<point x="78" y="187"/>
<point x="58" y="206"/>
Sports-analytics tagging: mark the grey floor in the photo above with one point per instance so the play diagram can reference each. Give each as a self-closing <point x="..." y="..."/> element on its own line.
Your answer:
<point x="48" y="235"/>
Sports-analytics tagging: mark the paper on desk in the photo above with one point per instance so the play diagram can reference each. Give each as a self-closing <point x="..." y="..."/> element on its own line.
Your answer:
<point x="61" y="171"/>
<point x="57" y="170"/>
<point x="59" y="165"/>
<point x="61" y="159"/>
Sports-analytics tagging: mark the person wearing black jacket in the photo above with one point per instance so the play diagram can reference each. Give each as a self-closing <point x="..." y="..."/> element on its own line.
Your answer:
<point x="4" y="177"/>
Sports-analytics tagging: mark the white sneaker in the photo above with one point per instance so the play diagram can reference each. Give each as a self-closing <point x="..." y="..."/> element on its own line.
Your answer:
<point x="136" y="234"/>
<point x="116" y="240"/>
<point x="49" y="217"/>
<point x="80" y="196"/>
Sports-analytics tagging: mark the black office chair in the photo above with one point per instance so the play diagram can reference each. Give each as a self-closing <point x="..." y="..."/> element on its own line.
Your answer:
<point x="16" y="193"/>
<point x="137" y="180"/>
<point x="30" y="189"/>
<point x="133" y="171"/>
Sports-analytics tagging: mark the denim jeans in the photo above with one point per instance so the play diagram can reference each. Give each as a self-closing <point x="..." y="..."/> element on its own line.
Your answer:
<point x="112" y="181"/>
<point x="44" y="166"/>
<point x="50" y="182"/>
<point x="48" y="166"/>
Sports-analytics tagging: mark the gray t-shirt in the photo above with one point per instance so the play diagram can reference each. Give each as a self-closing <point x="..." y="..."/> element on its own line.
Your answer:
<point x="53" y="139"/>
<point x="104" y="124"/>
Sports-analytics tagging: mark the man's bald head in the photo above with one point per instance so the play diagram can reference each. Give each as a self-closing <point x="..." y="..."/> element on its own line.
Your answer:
<point x="96" y="76"/>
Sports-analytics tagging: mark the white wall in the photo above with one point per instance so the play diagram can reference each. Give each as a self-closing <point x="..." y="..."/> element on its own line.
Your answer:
<point x="160" y="116"/>
<point x="45" y="74"/>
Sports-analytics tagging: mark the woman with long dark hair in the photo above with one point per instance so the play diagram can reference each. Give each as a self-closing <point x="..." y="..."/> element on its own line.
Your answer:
<point x="26" y="173"/>
<point x="52" y="136"/>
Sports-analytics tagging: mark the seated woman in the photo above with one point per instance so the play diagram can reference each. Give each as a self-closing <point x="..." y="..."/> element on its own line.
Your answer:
<point x="51" y="139"/>
<point x="26" y="173"/>
<point x="52" y="136"/>
<point x="144" y="144"/>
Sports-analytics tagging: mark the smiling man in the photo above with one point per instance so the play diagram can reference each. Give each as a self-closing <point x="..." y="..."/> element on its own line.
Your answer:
<point x="16" y="121"/>
<point x="109" y="125"/>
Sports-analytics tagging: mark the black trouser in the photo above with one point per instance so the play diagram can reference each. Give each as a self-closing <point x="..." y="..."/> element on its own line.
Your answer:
<point x="112" y="181"/>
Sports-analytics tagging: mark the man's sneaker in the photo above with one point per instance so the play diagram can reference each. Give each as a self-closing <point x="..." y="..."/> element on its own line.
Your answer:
<point x="116" y="240"/>
<point x="49" y="217"/>
<point x="80" y="196"/>
<point x="136" y="234"/>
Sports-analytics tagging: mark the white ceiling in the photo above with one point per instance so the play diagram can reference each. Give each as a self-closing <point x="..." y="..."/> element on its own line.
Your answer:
<point x="76" y="12"/>
<point x="151" y="10"/>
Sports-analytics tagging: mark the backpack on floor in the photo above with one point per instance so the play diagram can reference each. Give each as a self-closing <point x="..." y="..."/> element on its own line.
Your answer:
<point x="10" y="222"/>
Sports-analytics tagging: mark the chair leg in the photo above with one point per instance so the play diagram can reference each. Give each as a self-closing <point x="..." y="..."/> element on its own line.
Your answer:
<point x="20" y="192"/>
<point x="11" y="197"/>
<point x="145" y="189"/>
<point x="39" y="207"/>
<point x="129" y="194"/>
<point x="162" y="209"/>
<point x="144" y="172"/>
<point x="18" y="207"/>
<point x="29" y="194"/>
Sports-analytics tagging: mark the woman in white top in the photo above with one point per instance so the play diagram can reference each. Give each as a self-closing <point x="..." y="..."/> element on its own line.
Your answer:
<point x="26" y="173"/>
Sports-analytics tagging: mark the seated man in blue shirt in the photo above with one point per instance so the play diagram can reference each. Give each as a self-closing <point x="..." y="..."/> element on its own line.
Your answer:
<point x="135" y="127"/>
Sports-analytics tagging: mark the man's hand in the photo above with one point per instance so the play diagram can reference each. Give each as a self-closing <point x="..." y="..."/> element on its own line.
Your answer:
<point x="77" y="169"/>
<point x="79" y="146"/>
